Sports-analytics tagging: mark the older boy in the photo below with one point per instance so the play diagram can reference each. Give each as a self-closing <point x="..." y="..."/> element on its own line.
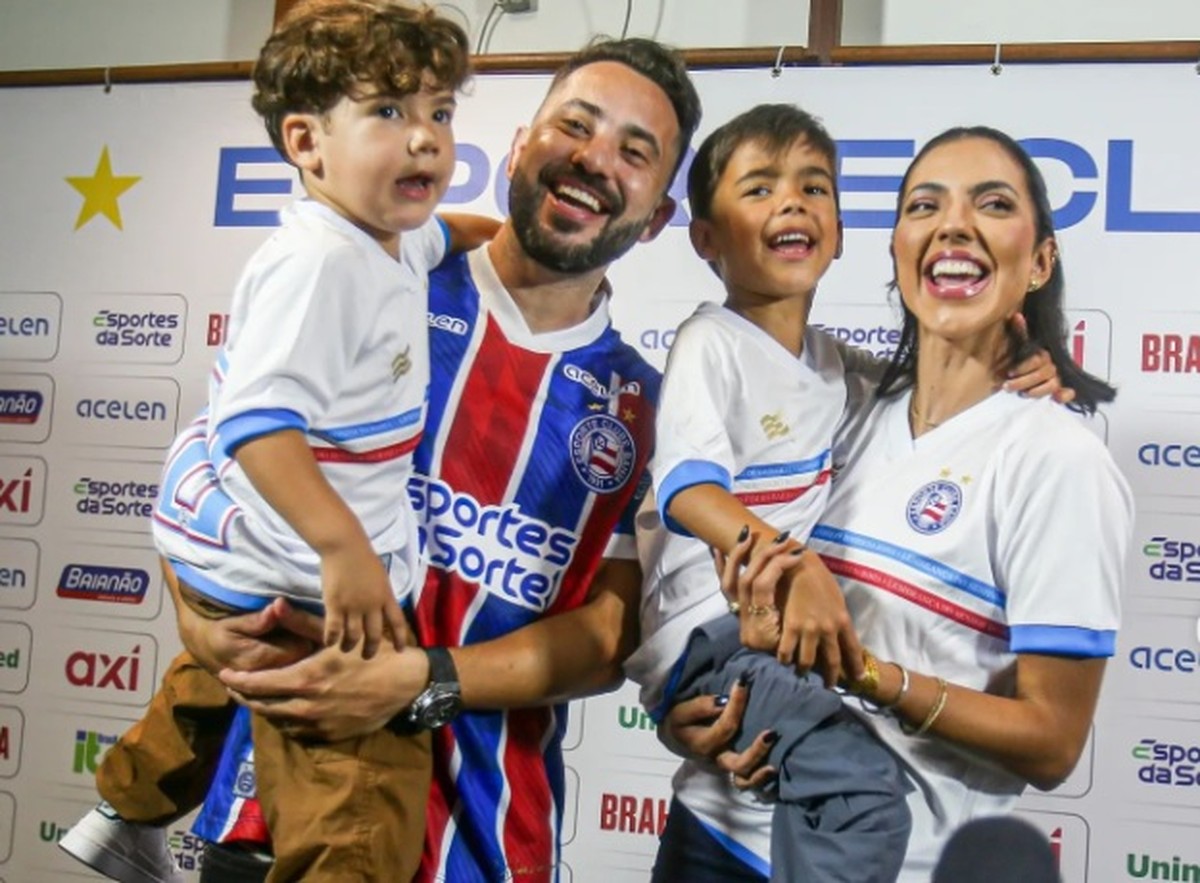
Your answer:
<point x="315" y="407"/>
<point x="750" y="401"/>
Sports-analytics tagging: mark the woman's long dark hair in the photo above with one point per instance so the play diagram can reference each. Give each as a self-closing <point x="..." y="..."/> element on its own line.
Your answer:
<point x="1043" y="309"/>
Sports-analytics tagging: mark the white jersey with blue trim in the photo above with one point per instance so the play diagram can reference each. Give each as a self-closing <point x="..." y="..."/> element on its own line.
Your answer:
<point x="1002" y="531"/>
<point x="329" y="336"/>
<point x="739" y="411"/>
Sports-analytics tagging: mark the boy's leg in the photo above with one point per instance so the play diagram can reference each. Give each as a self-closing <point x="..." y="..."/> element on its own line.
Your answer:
<point x="160" y="769"/>
<point x="343" y="811"/>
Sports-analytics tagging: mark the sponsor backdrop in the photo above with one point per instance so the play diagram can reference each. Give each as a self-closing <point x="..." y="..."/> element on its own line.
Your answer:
<point x="127" y="215"/>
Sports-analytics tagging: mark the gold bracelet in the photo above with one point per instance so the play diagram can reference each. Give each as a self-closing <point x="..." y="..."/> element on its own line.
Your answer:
<point x="934" y="711"/>
<point x="904" y="685"/>
<point x="869" y="682"/>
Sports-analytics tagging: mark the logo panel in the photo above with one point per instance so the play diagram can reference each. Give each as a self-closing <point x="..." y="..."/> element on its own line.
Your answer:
<point x="26" y="402"/>
<point x="103" y="666"/>
<point x="140" y="412"/>
<point x="1157" y="658"/>
<point x="108" y="494"/>
<point x="19" y="562"/>
<point x="1069" y="837"/>
<point x="1089" y="341"/>
<point x="16" y="649"/>
<point x="1167" y="562"/>
<point x="22" y="490"/>
<point x="12" y="735"/>
<point x="131" y="328"/>
<point x="122" y="582"/>
<point x="30" y="324"/>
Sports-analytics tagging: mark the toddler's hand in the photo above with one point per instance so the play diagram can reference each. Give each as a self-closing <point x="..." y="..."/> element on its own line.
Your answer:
<point x="359" y="602"/>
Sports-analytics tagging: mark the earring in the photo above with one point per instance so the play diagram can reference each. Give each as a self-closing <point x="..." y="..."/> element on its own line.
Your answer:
<point x="1034" y="285"/>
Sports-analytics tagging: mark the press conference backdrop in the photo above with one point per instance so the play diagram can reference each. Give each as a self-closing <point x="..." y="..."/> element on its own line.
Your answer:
<point x="125" y="219"/>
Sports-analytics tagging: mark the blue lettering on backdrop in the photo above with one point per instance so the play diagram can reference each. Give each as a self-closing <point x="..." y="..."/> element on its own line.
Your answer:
<point x="229" y="185"/>
<point x="1119" y="214"/>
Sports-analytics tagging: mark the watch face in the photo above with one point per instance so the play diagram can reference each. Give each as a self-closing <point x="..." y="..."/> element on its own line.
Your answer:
<point x="441" y="709"/>
<point x="435" y="707"/>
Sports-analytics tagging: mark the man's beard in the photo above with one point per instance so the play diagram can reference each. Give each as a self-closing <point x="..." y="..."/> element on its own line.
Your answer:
<point x="525" y="195"/>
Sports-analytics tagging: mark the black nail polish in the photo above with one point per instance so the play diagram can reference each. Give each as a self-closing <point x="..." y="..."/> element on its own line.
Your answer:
<point x="798" y="551"/>
<point x="743" y="680"/>
<point x="720" y="701"/>
<point x="770" y="737"/>
<point x="743" y="533"/>
<point x="783" y="536"/>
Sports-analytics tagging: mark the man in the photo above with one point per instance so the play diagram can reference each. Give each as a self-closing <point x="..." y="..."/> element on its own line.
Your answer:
<point x="539" y="429"/>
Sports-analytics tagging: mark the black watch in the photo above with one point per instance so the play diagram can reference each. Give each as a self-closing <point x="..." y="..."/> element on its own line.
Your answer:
<point x="441" y="701"/>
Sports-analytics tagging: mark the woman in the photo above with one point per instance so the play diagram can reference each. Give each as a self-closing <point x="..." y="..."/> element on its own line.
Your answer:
<point x="979" y="537"/>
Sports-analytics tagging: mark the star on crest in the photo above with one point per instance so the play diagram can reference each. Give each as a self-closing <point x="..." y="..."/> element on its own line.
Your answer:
<point x="100" y="192"/>
<point x="628" y="415"/>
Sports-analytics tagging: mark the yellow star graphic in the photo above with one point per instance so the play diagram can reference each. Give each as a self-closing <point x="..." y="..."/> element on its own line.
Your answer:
<point x="100" y="192"/>
<point x="966" y="479"/>
<point x="628" y="415"/>
<point x="946" y="472"/>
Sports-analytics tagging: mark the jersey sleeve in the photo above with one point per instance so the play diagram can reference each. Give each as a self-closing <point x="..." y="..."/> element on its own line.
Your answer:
<point x="1064" y="526"/>
<point x="692" y="445"/>
<point x="424" y="248"/>
<point x="307" y="316"/>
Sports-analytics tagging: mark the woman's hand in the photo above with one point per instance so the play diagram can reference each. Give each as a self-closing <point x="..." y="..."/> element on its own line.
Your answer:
<point x="816" y="631"/>
<point x="704" y="727"/>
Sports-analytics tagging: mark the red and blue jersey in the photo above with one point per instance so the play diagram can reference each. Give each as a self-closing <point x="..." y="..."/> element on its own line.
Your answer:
<point x="530" y="471"/>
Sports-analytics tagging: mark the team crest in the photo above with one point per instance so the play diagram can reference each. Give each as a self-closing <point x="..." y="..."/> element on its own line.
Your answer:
<point x="934" y="507"/>
<point x="602" y="452"/>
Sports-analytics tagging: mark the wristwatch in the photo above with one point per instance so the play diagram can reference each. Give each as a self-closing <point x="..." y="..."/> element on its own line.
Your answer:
<point x="441" y="701"/>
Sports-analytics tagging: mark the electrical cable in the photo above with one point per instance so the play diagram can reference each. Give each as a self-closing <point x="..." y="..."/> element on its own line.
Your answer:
<point x="628" y="13"/>
<point x="483" y="28"/>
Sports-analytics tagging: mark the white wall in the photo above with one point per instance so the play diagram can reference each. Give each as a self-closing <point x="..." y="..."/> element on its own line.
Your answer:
<point x="1033" y="21"/>
<point x="40" y="34"/>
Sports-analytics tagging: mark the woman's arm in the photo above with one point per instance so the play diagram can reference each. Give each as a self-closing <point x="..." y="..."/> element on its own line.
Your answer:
<point x="1038" y="734"/>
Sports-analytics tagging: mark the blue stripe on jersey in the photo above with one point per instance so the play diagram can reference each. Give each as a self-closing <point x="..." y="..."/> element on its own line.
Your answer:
<point x="688" y="473"/>
<point x="249" y="425"/>
<point x="744" y="855"/>
<point x="1062" y="640"/>
<point x="375" y="427"/>
<point x="198" y="580"/>
<point x="453" y="309"/>
<point x="779" y="470"/>
<point x="954" y="578"/>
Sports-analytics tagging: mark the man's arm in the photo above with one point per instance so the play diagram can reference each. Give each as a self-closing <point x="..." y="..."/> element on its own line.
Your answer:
<point x="560" y="657"/>
<point x="333" y="695"/>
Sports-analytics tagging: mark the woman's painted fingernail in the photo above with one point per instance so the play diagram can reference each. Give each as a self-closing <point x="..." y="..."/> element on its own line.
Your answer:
<point x="770" y="737"/>
<point x="743" y="533"/>
<point x="720" y="701"/>
<point x="743" y="680"/>
<point x="783" y="536"/>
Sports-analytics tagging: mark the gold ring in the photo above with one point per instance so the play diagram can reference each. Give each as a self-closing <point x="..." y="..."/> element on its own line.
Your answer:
<point x="766" y="610"/>
<point x="735" y="607"/>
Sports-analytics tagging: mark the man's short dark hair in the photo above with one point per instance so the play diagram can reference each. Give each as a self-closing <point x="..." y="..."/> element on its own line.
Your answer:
<point x="659" y="64"/>
<point x="774" y="127"/>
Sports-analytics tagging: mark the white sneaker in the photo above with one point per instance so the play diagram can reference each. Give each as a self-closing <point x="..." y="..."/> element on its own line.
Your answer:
<point x="121" y="850"/>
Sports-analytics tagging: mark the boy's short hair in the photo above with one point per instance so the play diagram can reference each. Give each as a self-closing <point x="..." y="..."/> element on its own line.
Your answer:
<point x="324" y="50"/>
<point x="659" y="64"/>
<point x="774" y="127"/>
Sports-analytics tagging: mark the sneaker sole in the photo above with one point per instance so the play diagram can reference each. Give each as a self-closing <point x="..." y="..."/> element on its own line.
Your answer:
<point x="112" y="865"/>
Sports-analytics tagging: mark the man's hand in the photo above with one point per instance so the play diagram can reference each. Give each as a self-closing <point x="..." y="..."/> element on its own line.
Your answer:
<point x="334" y="695"/>
<point x="277" y="635"/>
<point x="704" y="727"/>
